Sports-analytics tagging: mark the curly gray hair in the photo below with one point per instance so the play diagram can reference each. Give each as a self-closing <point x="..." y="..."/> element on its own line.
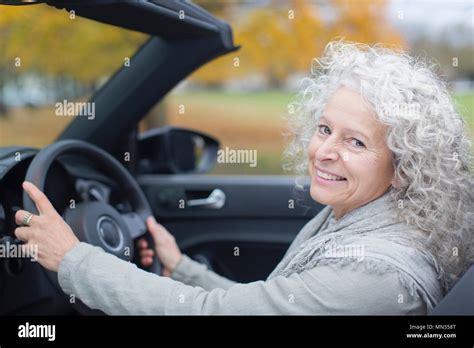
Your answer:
<point x="428" y="139"/>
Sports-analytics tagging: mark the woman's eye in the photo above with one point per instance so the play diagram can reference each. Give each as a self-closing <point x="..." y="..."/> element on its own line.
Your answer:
<point x="324" y="129"/>
<point x="357" y="143"/>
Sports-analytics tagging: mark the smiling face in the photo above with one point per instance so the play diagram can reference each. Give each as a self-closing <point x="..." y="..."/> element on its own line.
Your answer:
<point x="350" y="163"/>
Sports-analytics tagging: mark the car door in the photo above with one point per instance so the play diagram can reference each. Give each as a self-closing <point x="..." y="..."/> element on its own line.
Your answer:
<point x="246" y="237"/>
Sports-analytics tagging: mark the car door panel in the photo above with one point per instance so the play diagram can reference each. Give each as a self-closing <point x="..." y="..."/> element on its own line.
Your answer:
<point x="245" y="238"/>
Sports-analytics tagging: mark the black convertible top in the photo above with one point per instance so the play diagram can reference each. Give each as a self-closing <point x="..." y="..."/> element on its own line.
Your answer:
<point x="168" y="19"/>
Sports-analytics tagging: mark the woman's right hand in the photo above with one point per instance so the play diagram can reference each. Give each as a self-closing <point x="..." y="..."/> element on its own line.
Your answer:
<point x="165" y="247"/>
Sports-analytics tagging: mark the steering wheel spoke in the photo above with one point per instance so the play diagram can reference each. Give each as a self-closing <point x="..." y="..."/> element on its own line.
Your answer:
<point x="135" y="224"/>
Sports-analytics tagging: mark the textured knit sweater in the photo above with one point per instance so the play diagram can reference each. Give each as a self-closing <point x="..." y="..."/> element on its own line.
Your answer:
<point x="102" y="281"/>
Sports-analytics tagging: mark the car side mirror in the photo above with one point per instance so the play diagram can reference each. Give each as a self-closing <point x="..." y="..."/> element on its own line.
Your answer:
<point x="172" y="150"/>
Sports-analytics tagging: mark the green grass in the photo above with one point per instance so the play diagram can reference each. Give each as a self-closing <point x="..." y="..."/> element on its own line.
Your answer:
<point x="466" y="108"/>
<point x="246" y="106"/>
<point x="264" y="98"/>
<point x="266" y="104"/>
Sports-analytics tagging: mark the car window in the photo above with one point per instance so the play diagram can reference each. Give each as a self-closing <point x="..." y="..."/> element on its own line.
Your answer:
<point x="51" y="62"/>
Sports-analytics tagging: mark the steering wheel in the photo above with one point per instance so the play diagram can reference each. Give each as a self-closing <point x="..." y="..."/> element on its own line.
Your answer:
<point x="97" y="222"/>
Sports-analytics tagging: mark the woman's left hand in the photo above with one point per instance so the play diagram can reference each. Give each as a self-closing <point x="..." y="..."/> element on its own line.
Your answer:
<point x="47" y="232"/>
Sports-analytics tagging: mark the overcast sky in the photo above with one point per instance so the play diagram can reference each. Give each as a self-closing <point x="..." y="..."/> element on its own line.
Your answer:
<point x="431" y="16"/>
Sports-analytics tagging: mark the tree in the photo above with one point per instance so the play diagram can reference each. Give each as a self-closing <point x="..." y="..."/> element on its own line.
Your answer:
<point x="55" y="44"/>
<point x="363" y="21"/>
<point x="283" y="38"/>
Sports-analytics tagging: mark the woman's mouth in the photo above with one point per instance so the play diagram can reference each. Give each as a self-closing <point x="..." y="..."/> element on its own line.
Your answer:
<point x="325" y="179"/>
<point x="329" y="177"/>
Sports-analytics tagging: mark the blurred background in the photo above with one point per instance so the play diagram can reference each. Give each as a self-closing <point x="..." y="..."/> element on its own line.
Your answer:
<point x="242" y="99"/>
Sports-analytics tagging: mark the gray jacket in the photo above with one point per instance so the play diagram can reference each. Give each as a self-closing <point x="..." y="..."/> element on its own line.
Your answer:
<point x="104" y="282"/>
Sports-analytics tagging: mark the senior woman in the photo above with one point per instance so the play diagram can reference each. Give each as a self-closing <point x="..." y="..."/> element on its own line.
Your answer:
<point x="386" y="152"/>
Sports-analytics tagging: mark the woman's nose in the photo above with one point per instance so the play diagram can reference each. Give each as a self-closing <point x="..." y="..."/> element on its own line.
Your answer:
<point x="327" y="150"/>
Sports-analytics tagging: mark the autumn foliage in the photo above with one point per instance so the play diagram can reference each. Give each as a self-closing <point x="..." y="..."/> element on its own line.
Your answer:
<point x="57" y="43"/>
<point x="284" y="37"/>
<point x="277" y="40"/>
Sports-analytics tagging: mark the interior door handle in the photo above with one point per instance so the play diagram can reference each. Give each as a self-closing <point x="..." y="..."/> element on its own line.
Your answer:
<point x="216" y="200"/>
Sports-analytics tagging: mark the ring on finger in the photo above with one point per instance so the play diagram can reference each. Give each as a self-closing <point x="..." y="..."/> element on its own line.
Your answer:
<point x="25" y="221"/>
